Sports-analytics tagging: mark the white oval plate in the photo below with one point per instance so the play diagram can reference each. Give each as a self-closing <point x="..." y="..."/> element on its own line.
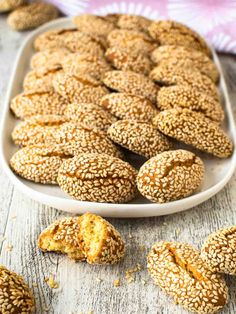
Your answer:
<point x="218" y="172"/>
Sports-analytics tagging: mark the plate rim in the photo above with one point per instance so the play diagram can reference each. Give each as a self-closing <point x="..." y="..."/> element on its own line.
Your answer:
<point x="123" y="210"/>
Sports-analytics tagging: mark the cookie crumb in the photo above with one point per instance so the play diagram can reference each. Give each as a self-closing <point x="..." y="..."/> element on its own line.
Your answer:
<point x="130" y="272"/>
<point x="177" y="231"/>
<point x="51" y="282"/>
<point x="116" y="282"/>
<point x="13" y="216"/>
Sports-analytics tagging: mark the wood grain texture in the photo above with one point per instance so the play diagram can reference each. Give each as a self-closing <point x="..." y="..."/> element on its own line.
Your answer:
<point x="79" y="289"/>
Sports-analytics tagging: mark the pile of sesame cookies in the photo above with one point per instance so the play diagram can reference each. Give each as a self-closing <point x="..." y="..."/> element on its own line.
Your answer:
<point x="112" y="86"/>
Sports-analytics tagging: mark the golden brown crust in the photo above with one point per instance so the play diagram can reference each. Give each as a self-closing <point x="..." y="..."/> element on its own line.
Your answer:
<point x="62" y="236"/>
<point x="39" y="163"/>
<point x="170" y="175"/>
<point x="130" y="39"/>
<point x="49" y="58"/>
<point x="98" y="178"/>
<point x="71" y="39"/>
<point x="127" y="60"/>
<point x="169" y="32"/>
<point x="74" y="137"/>
<point x="91" y="115"/>
<point x="218" y="251"/>
<point x="32" y="15"/>
<point x="179" y="270"/>
<point x="186" y="57"/>
<point x="194" y="129"/>
<point x="38" y="102"/>
<point x="186" y="97"/>
<point x="129" y="107"/>
<point x="41" y="79"/>
<point x="139" y="137"/>
<point x="93" y="24"/>
<point x="98" y="232"/>
<point x="134" y="22"/>
<point x="79" y="87"/>
<point x="169" y="74"/>
<point x="88" y="64"/>
<point x="37" y="129"/>
<point x="15" y="295"/>
<point x="132" y="83"/>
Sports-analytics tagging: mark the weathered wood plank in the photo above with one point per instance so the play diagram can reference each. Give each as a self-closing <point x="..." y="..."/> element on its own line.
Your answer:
<point x="80" y="290"/>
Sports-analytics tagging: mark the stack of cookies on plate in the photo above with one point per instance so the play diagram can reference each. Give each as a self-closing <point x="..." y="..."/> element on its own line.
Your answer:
<point x="110" y="90"/>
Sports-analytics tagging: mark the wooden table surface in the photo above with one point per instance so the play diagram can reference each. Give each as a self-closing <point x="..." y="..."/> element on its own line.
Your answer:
<point x="90" y="289"/>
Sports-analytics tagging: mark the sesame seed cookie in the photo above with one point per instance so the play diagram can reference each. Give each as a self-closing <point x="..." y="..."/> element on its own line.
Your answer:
<point x="9" y="5"/>
<point x="186" y="57"/>
<point x="126" y="60"/>
<point x="93" y="24"/>
<point x="79" y="87"/>
<point x="194" y="129"/>
<point x="179" y="270"/>
<point x="78" y="63"/>
<point x="49" y="58"/>
<point x="98" y="178"/>
<point x="38" y="102"/>
<point x="74" y="137"/>
<point x="170" y="175"/>
<point x="173" y="33"/>
<point x="36" y="129"/>
<point x="132" y="83"/>
<point x="91" y="115"/>
<point x="139" y="137"/>
<point x="39" y="163"/>
<point x="132" y="40"/>
<point x="15" y="295"/>
<point x="134" y="22"/>
<point x="32" y="15"/>
<point x="218" y="251"/>
<point x="129" y="107"/>
<point x="101" y="243"/>
<point x="167" y="75"/>
<point x="41" y="78"/>
<point x="72" y="39"/>
<point x="62" y="236"/>
<point x="186" y="97"/>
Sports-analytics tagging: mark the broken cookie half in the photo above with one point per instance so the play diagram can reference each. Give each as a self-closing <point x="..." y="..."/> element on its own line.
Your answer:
<point x="86" y="238"/>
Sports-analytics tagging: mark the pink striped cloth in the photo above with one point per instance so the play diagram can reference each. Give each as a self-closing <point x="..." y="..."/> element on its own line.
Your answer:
<point x="214" y="19"/>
